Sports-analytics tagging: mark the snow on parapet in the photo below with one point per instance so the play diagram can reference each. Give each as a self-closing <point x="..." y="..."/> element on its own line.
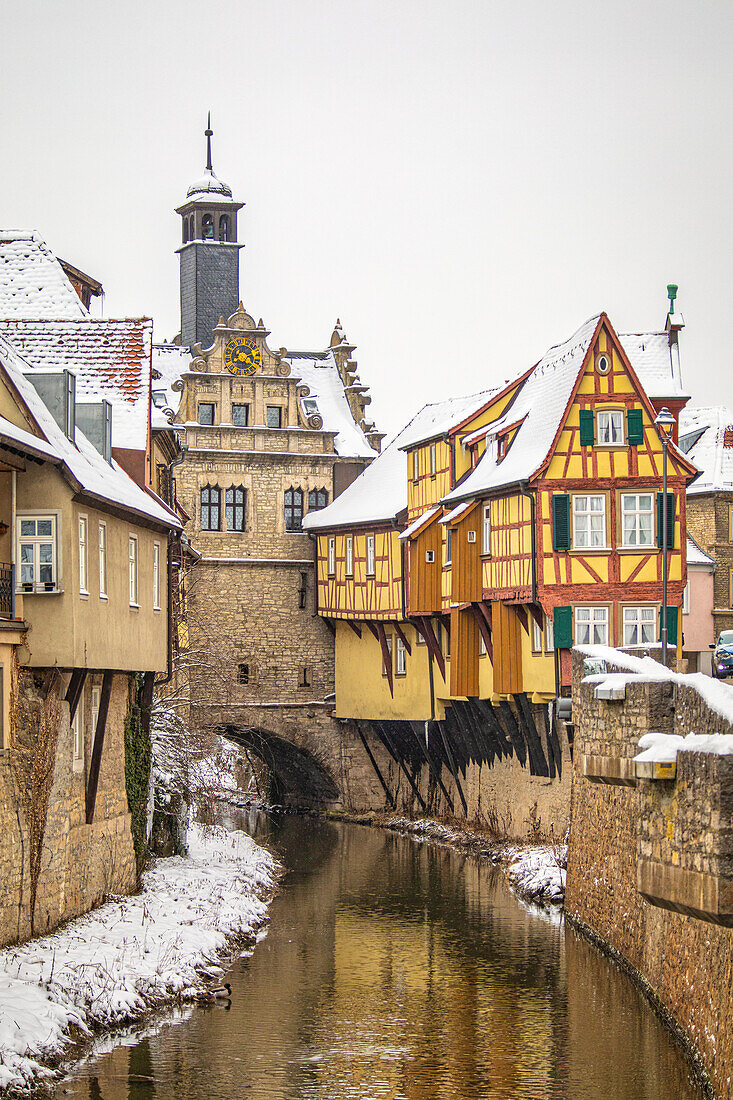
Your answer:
<point x="706" y="437"/>
<point x="33" y="285"/>
<point x="662" y="748"/>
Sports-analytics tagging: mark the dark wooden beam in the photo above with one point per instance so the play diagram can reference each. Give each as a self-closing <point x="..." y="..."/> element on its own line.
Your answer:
<point x="522" y="616"/>
<point x="515" y="734"/>
<point x="485" y="708"/>
<point x="98" y="744"/>
<point x="538" y="615"/>
<point x="400" y="632"/>
<point x="452" y="765"/>
<point x="418" y="733"/>
<point x="330" y="624"/>
<point x="386" y="656"/>
<point x="373" y="628"/>
<point x="354" y="627"/>
<point x="383" y="732"/>
<point x="74" y="690"/>
<point x="484" y="630"/>
<point x="426" y="629"/>
<point x="380" y="777"/>
<point x="534" y="744"/>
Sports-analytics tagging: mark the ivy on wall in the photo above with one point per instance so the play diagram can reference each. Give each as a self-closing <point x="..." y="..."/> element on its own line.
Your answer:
<point x="137" y="770"/>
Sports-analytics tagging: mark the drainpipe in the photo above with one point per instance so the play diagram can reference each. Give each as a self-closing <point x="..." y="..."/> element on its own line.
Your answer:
<point x="524" y="490"/>
<point x="173" y="541"/>
<point x="13" y="495"/>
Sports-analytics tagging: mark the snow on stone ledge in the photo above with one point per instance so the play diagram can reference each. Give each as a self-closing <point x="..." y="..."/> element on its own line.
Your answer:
<point x="662" y="748"/>
<point x="717" y="695"/>
<point x="132" y="953"/>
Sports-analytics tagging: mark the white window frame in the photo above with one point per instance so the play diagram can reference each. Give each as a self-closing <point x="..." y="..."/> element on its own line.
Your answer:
<point x="331" y="555"/>
<point x="549" y="634"/>
<point x="77" y="729"/>
<point x="686" y="598"/>
<point x="102" y="547"/>
<point x="635" y="619"/>
<point x="83" y="525"/>
<point x="349" y="555"/>
<point x="400" y="657"/>
<point x="448" y="546"/>
<point x="587" y="512"/>
<point x="608" y="423"/>
<point x="156" y="576"/>
<point x="415" y="465"/>
<point x="536" y="636"/>
<point x="637" y="514"/>
<point x="39" y="587"/>
<point x="596" y="619"/>
<point x="96" y="702"/>
<point x="370" y="556"/>
<point x="133" y="562"/>
<point x="486" y="529"/>
<point x="433" y="459"/>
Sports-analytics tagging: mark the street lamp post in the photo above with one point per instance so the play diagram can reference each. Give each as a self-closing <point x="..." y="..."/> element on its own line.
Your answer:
<point x="665" y="423"/>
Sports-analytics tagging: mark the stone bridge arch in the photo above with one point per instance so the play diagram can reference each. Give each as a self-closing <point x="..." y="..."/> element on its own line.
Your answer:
<point x="300" y="778"/>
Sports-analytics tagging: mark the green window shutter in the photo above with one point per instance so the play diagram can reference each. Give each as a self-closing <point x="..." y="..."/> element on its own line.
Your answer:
<point x="563" y="626"/>
<point x="670" y="519"/>
<point x="560" y="521"/>
<point x="587" y="435"/>
<point x="635" y="426"/>
<point x="672" y="613"/>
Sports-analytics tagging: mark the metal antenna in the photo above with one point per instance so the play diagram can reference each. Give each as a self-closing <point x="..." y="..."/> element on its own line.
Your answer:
<point x="208" y="131"/>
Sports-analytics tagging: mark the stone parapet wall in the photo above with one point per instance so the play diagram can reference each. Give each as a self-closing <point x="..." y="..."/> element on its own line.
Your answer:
<point x="80" y="863"/>
<point x="665" y="840"/>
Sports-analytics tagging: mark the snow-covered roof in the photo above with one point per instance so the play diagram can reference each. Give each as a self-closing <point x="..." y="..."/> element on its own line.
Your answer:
<point x="32" y="282"/>
<point x="110" y="358"/>
<point x="539" y="405"/>
<point x="319" y="372"/>
<point x="421" y="522"/>
<point x="208" y="187"/>
<point x="696" y="555"/>
<point x="651" y="357"/>
<point x="437" y="419"/>
<point x="106" y="481"/>
<point x="711" y="432"/>
<point x="25" y="441"/>
<point x="170" y="361"/>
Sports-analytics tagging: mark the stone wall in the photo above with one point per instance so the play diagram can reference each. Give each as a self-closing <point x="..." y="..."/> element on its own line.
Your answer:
<point x="632" y="839"/>
<point x="80" y="863"/>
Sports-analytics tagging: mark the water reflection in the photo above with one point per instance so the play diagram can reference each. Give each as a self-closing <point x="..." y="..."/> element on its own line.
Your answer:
<point x="405" y="972"/>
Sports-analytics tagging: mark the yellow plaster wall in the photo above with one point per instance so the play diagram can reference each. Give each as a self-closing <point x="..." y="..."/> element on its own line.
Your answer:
<point x="361" y="689"/>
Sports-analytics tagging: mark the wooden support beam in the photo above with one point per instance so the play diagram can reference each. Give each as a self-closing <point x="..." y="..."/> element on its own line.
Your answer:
<point x="401" y="634"/>
<point x="97" y="746"/>
<point x="458" y="738"/>
<point x="538" y="615"/>
<point x="483" y="733"/>
<point x="74" y="690"/>
<point x="384" y="735"/>
<point x="475" y="753"/>
<point x="419" y="737"/>
<point x="536" y="753"/>
<point x="386" y="656"/>
<point x="425" y="627"/>
<point x="330" y="624"/>
<point x="515" y="734"/>
<point x="373" y="628"/>
<point x="488" y="713"/>
<point x="354" y="627"/>
<point x="452" y="766"/>
<point x="522" y="616"/>
<point x="380" y="777"/>
<point x="484" y="630"/>
<point x="553" y="741"/>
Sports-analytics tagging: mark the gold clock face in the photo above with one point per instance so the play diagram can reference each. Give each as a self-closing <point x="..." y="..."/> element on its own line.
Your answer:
<point x="242" y="355"/>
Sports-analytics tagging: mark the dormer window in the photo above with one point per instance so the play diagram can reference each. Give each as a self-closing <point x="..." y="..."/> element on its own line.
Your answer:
<point x="310" y="406"/>
<point x="207" y="227"/>
<point x="224" y="227"/>
<point x="159" y="399"/>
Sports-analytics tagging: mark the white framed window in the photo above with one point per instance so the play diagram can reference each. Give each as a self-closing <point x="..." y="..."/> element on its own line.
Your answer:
<point x="77" y="727"/>
<point x="387" y="665"/>
<point x="156" y="576"/>
<point x="686" y="598"/>
<point x="132" y="563"/>
<point x="637" y="519"/>
<point x="400" y="657"/>
<point x="591" y="626"/>
<point x="536" y="636"/>
<point x="640" y="625"/>
<point x="448" y="546"/>
<point x="589" y="521"/>
<point x="415" y="464"/>
<point x="103" y="561"/>
<point x="549" y="634"/>
<point x="370" y="564"/>
<point x="37" y="553"/>
<point x="610" y="425"/>
<point x="96" y="695"/>
<point x="83" y="563"/>
<point x="349" y="556"/>
<point x="433" y="459"/>
<point x="486" y="529"/>
<point x="331" y="555"/>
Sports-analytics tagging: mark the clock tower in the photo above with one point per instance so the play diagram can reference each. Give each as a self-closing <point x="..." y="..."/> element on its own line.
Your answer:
<point x="209" y="254"/>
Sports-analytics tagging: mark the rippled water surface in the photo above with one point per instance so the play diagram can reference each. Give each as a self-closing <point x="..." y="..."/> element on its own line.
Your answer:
<point x="405" y="972"/>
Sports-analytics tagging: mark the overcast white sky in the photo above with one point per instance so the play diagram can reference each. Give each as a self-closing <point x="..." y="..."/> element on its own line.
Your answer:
<point x="463" y="184"/>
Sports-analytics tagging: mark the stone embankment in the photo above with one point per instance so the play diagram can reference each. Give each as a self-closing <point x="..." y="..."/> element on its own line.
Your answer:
<point x="650" y="862"/>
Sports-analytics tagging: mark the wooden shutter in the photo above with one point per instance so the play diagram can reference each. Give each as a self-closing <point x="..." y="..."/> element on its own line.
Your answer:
<point x="587" y="435"/>
<point x="670" y="519"/>
<point x="672" y="613"/>
<point x="563" y="627"/>
<point x="560" y="521"/>
<point x="635" y="426"/>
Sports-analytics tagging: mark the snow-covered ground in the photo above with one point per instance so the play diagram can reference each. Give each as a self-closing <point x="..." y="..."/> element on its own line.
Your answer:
<point x="536" y="872"/>
<point x="132" y="953"/>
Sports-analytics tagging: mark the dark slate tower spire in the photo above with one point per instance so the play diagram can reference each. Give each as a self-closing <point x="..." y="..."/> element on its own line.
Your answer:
<point x="209" y="254"/>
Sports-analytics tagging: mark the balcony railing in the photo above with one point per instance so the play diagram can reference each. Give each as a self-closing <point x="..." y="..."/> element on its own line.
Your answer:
<point x="7" y="591"/>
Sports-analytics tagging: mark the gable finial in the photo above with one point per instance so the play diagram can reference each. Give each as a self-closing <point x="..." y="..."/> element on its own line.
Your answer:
<point x="672" y="294"/>
<point x="208" y="132"/>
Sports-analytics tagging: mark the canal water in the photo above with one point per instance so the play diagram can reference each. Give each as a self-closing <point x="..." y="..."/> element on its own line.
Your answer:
<point x="400" y="971"/>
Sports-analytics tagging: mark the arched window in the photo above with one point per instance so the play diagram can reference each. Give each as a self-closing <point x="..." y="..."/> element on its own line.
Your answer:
<point x="317" y="499"/>
<point x="234" y="503"/>
<point x="207" y="227"/>
<point x="185" y="230"/>
<point x="293" y="509"/>
<point x="224" y="227"/>
<point x="191" y="228"/>
<point x="211" y="508"/>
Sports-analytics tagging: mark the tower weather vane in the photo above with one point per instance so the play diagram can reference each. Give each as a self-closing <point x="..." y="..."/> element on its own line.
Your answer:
<point x="208" y="133"/>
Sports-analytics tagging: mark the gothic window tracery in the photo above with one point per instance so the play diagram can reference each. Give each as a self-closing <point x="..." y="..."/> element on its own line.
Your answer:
<point x="211" y="508"/>
<point x="317" y="499"/>
<point x="293" y="509"/>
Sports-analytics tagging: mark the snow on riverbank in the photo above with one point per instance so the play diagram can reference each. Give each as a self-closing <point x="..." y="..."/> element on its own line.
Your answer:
<point x="132" y="953"/>
<point x="537" y="871"/>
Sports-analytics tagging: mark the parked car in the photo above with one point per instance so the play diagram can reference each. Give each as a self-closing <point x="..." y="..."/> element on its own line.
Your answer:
<point x="723" y="655"/>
